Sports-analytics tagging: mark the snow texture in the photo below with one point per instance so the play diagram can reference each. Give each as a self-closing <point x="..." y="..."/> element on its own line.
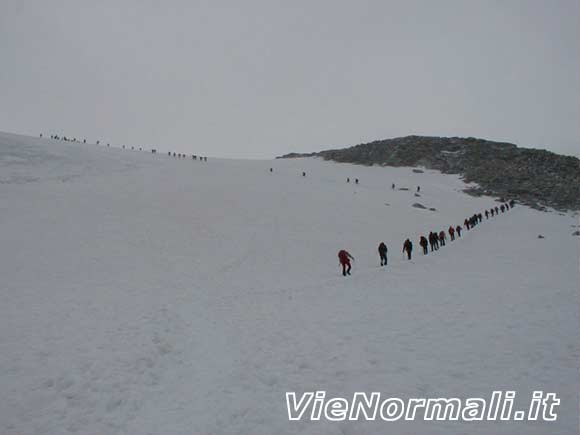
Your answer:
<point x="144" y="294"/>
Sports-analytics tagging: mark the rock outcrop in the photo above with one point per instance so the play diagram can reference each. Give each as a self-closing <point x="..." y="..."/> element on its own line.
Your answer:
<point x="534" y="177"/>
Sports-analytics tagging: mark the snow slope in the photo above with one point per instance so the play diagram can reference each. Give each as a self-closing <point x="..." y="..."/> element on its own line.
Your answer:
<point x="144" y="294"/>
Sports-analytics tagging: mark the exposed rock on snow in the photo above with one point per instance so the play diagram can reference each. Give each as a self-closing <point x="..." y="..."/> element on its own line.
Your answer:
<point x="534" y="177"/>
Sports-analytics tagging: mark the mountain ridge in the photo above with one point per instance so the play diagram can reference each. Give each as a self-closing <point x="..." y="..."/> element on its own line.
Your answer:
<point x="538" y="178"/>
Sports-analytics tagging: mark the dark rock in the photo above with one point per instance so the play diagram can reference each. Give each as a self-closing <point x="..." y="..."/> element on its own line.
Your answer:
<point x="576" y="233"/>
<point x="540" y="236"/>
<point x="296" y="155"/>
<point x="417" y="195"/>
<point x="418" y="171"/>
<point x="537" y="178"/>
<point x="432" y="209"/>
<point x="417" y="205"/>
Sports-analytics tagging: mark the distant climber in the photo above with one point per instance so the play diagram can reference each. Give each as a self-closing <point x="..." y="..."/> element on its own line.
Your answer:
<point x="344" y="260"/>
<point x="442" y="238"/>
<point x="472" y="222"/>
<point x="408" y="248"/>
<point x="458" y="230"/>
<point x="451" y="232"/>
<point x="423" y="242"/>
<point x="433" y="241"/>
<point x="383" y="253"/>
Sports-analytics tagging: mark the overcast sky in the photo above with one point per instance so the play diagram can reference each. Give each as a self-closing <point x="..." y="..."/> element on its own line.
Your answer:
<point x="262" y="78"/>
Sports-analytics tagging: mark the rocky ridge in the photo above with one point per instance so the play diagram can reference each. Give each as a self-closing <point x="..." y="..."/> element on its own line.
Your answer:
<point x="534" y="177"/>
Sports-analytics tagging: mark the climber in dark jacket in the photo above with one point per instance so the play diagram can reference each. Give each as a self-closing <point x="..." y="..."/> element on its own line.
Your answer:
<point x="383" y="253"/>
<point x="408" y="248"/>
<point x="433" y="241"/>
<point x="442" y="238"/>
<point x="424" y="243"/>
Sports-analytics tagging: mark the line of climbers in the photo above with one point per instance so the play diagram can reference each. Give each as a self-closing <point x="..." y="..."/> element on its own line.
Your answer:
<point x="153" y="151"/>
<point x="69" y="139"/>
<point x="435" y="239"/>
<point x="356" y="181"/>
<point x="184" y="156"/>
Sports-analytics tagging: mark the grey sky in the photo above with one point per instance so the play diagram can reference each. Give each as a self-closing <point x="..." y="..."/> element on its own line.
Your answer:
<point x="262" y="78"/>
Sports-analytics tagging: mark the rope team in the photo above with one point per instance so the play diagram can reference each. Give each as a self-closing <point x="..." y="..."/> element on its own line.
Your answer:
<point x="435" y="239"/>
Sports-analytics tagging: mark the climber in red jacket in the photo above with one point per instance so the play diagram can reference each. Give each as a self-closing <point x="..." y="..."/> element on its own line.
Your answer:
<point x="344" y="259"/>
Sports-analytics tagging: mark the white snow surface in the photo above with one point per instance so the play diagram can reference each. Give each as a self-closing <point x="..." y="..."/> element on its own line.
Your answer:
<point x="145" y="294"/>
